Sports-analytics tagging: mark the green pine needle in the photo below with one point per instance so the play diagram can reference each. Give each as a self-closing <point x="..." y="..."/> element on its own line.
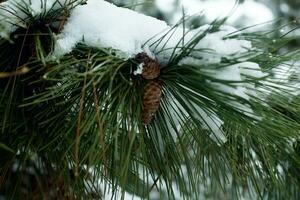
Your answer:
<point x="77" y="122"/>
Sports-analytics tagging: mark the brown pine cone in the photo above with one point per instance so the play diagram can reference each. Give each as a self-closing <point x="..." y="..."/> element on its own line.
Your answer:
<point x="151" y="68"/>
<point x="147" y="117"/>
<point x="151" y="100"/>
<point x="142" y="58"/>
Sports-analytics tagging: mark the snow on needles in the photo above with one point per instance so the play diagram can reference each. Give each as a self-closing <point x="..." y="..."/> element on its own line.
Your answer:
<point x="14" y="13"/>
<point x="103" y="25"/>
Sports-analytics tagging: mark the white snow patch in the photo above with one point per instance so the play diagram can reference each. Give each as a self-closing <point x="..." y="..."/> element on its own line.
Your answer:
<point x="250" y="69"/>
<point x="236" y="75"/>
<point x="218" y="47"/>
<point x="211" y="48"/>
<point x="139" y="69"/>
<point x="228" y="73"/>
<point x="102" y="24"/>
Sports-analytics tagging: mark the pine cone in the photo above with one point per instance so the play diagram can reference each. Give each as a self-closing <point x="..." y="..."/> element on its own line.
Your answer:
<point x="151" y="69"/>
<point x="151" y="100"/>
<point x="147" y="117"/>
<point x="142" y="58"/>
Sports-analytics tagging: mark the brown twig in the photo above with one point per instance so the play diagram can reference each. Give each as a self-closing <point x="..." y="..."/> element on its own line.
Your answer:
<point x="77" y="141"/>
<point x="100" y="126"/>
<point x="18" y="72"/>
<point x="63" y="21"/>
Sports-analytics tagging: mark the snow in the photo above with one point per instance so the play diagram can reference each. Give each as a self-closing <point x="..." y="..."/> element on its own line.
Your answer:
<point x="214" y="46"/>
<point x="250" y="69"/>
<point x="7" y="18"/>
<point x="209" y="119"/>
<point x="42" y="6"/>
<point x="286" y="76"/>
<point x="102" y="24"/>
<point x="248" y="13"/>
<point x="213" y="123"/>
<point x="12" y="15"/>
<point x="223" y="47"/>
<point x="139" y="69"/>
<point x="234" y="74"/>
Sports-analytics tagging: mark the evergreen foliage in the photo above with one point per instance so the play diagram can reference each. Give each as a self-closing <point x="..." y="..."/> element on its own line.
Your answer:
<point x="68" y="125"/>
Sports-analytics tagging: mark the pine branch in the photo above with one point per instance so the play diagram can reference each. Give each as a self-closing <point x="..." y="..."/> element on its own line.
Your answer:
<point x="78" y="122"/>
